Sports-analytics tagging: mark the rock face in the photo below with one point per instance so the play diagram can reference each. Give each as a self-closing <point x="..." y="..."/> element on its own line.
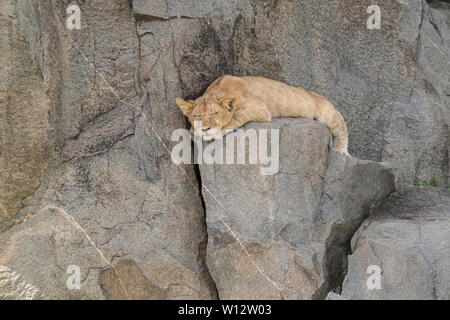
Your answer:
<point x="284" y="236"/>
<point x="24" y="145"/>
<point x="98" y="186"/>
<point x="334" y="296"/>
<point x="407" y="237"/>
<point x="13" y="288"/>
<point x="86" y="116"/>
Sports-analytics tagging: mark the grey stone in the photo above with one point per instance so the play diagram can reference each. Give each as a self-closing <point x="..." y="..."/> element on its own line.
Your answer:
<point x="284" y="236"/>
<point x="407" y="237"/>
<point x="88" y="183"/>
<point x="13" y="288"/>
<point x="24" y="143"/>
<point x="334" y="296"/>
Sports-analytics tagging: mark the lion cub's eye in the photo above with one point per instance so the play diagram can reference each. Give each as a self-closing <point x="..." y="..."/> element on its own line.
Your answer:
<point x="214" y="113"/>
<point x="197" y="116"/>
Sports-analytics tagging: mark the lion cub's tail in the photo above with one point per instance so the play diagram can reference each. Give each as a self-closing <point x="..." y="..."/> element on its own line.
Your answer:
<point x="332" y="118"/>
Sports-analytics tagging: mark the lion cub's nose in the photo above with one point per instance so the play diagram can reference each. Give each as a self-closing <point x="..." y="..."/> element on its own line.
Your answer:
<point x="206" y="129"/>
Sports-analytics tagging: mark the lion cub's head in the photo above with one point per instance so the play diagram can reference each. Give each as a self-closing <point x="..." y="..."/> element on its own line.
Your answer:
<point x="213" y="112"/>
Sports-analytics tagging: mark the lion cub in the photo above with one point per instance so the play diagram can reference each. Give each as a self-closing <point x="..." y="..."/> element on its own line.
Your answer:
<point x="230" y="102"/>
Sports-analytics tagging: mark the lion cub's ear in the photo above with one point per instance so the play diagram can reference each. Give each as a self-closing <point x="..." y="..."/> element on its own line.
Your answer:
<point x="185" y="106"/>
<point x="229" y="101"/>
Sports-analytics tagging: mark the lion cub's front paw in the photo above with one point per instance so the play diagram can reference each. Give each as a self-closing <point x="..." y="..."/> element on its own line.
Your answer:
<point x="227" y="131"/>
<point x="218" y="135"/>
<point x="342" y="152"/>
<point x="208" y="138"/>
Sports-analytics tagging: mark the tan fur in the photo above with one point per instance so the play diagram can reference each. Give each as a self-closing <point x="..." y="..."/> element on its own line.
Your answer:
<point x="230" y="102"/>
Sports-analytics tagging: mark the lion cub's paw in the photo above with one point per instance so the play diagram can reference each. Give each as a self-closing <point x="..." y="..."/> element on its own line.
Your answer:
<point x="342" y="152"/>
<point x="227" y="131"/>
<point x="208" y="138"/>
